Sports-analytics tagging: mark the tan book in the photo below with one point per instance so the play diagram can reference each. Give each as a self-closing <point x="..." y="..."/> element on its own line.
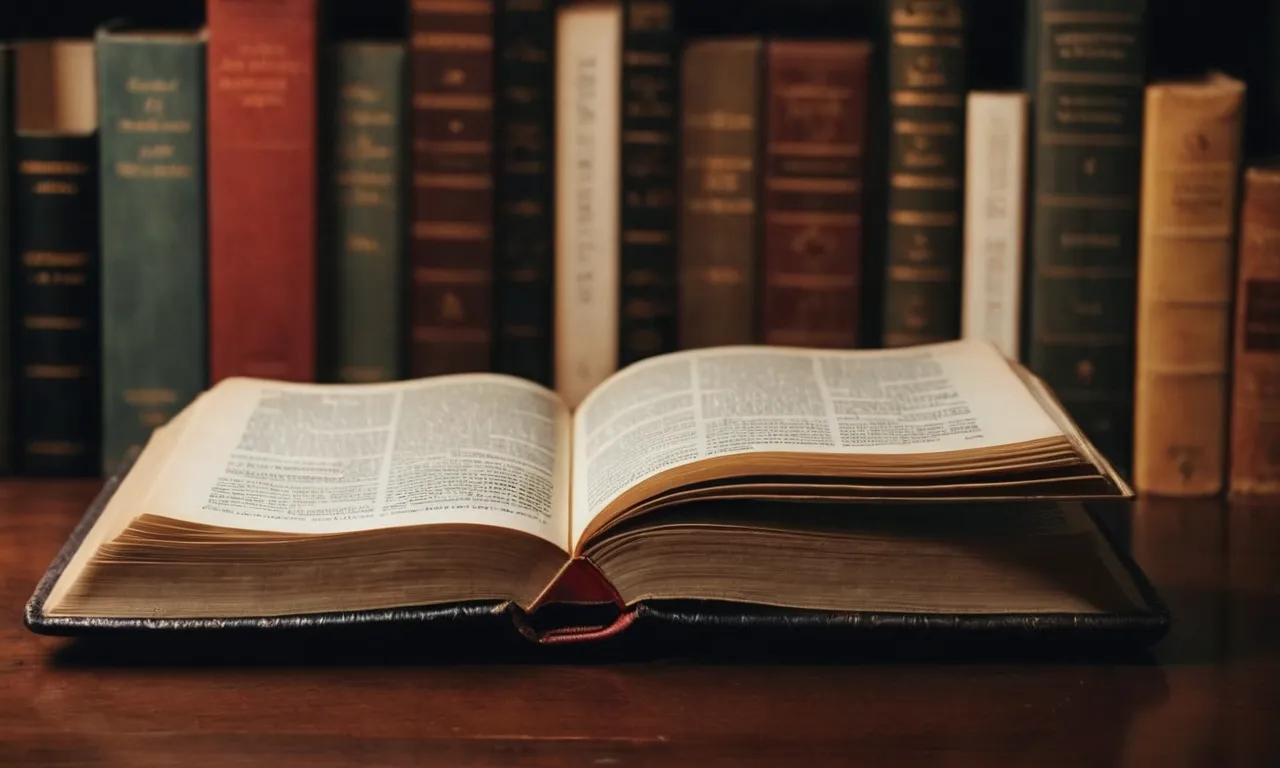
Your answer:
<point x="1255" y="399"/>
<point x="823" y="480"/>
<point x="588" y="181"/>
<point x="720" y="182"/>
<point x="1190" y="170"/>
<point x="994" y="219"/>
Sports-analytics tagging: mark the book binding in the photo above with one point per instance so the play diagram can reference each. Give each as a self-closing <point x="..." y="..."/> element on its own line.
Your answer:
<point x="580" y="585"/>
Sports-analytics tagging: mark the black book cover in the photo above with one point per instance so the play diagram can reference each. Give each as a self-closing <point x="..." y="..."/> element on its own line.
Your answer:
<point x="55" y="222"/>
<point x="679" y="621"/>
<point x="650" y="81"/>
<point x="525" y="178"/>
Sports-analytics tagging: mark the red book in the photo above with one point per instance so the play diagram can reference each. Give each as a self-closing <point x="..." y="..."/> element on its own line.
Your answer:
<point x="262" y="188"/>
<point x="816" y="127"/>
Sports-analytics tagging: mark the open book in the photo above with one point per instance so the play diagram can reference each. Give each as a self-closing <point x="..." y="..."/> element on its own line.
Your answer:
<point x="940" y="479"/>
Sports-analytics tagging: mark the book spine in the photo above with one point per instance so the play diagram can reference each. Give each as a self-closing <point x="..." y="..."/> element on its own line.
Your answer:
<point x="719" y="233"/>
<point x="364" y="255"/>
<point x="451" y="254"/>
<point x="1087" y="73"/>
<point x="55" y="223"/>
<point x="1191" y="162"/>
<point x="525" y="189"/>
<point x="648" y="198"/>
<point x="588" y="113"/>
<point x="6" y="263"/>
<point x="995" y="214"/>
<point x="151" y="107"/>
<point x="927" y="84"/>
<point x="813" y="179"/>
<point x="1254" y="464"/>
<point x="262" y="154"/>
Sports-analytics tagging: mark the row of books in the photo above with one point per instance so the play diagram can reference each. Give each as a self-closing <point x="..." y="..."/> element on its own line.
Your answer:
<point x="557" y="192"/>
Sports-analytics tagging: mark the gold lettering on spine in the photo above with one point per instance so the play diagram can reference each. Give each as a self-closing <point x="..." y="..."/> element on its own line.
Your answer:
<point x="54" y="268"/>
<point x="155" y="159"/>
<point x="260" y="74"/>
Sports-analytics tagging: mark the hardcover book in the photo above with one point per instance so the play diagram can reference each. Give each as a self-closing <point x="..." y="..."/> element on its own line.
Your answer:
<point x="262" y="167"/>
<point x="995" y="219"/>
<point x="55" y="243"/>
<point x="815" y="129"/>
<point x="151" y="91"/>
<point x="720" y="192"/>
<point x="363" y="251"/>
<point x="927" y="82"/>
<point x="525" y="249"/>
<point x="762" y="485"/>
<point x="1086" y="72"/>
<point x="451" y="68"/>
<point x="588" y="261"/>
<point x="1186" y="268"/>
<point x="1253" y="468"/>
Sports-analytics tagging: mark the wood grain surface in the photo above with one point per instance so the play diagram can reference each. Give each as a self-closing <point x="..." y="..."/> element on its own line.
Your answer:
<point x="1209" y="694"/>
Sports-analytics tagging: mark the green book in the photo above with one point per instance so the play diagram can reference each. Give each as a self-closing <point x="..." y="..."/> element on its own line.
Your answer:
<point x="928" y="78"/>
<point x="1086" y="71"/>
<point x="363" y="246"/>
<point x="151" y="90"/>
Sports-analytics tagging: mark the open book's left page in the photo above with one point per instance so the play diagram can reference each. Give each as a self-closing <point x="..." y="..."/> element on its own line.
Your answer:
<point x="321" y="459"/>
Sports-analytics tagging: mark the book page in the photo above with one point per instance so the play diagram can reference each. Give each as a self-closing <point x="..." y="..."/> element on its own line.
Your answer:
<point x="318" y="458"/>
<point x="679" y="408"/>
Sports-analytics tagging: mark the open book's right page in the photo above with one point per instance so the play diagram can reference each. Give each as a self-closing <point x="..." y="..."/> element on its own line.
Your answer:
<point x="678" y="409"/>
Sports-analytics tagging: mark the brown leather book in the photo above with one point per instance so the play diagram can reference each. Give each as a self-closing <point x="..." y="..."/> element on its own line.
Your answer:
<point x="452" y="212"/>
<point x="262" y="189"/>
<point x="1255" y="397"/>
<point x="816" y="96"/>
<point x="1191" y="161"/>
<point x="719" y="231"/>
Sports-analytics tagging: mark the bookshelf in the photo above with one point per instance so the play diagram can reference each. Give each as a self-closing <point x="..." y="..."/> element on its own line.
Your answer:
<point x="1183" y="38"/>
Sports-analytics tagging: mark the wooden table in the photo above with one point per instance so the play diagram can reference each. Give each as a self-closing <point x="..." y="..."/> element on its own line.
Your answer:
<point x="1210" y="694"/>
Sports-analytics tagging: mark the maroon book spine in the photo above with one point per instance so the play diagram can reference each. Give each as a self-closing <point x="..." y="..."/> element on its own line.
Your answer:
<point x="262" y="188"/>
<point x="816" y="128"/>
<point x="453" y="173"/>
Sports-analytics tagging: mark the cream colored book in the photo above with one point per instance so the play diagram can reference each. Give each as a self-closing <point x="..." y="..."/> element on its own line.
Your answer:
<point x="785" y="477"/>
<point x="994" y="218"/>
<point x="588" y="186"/>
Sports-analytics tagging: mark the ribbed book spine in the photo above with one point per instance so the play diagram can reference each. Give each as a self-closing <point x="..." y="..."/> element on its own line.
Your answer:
<point x="56" y="243"/>
<point x="451" y="251"/>
<point x="151" y="102"/>
<point x="525" y="188"/>
<point x="648" y="218"/>
<point x="816" y="131"/>
<point x="1254" y="463"/>
<point x="1190" y="169"/>
<point x="6" y="260"/>
<point x="364" y="248"/>
<point x="263" y="190"/>
<point x="1086" y="71"/>
<point x="720" y="201"/>
<point x="995" y="219"/>
<point x="927" y="84"/>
